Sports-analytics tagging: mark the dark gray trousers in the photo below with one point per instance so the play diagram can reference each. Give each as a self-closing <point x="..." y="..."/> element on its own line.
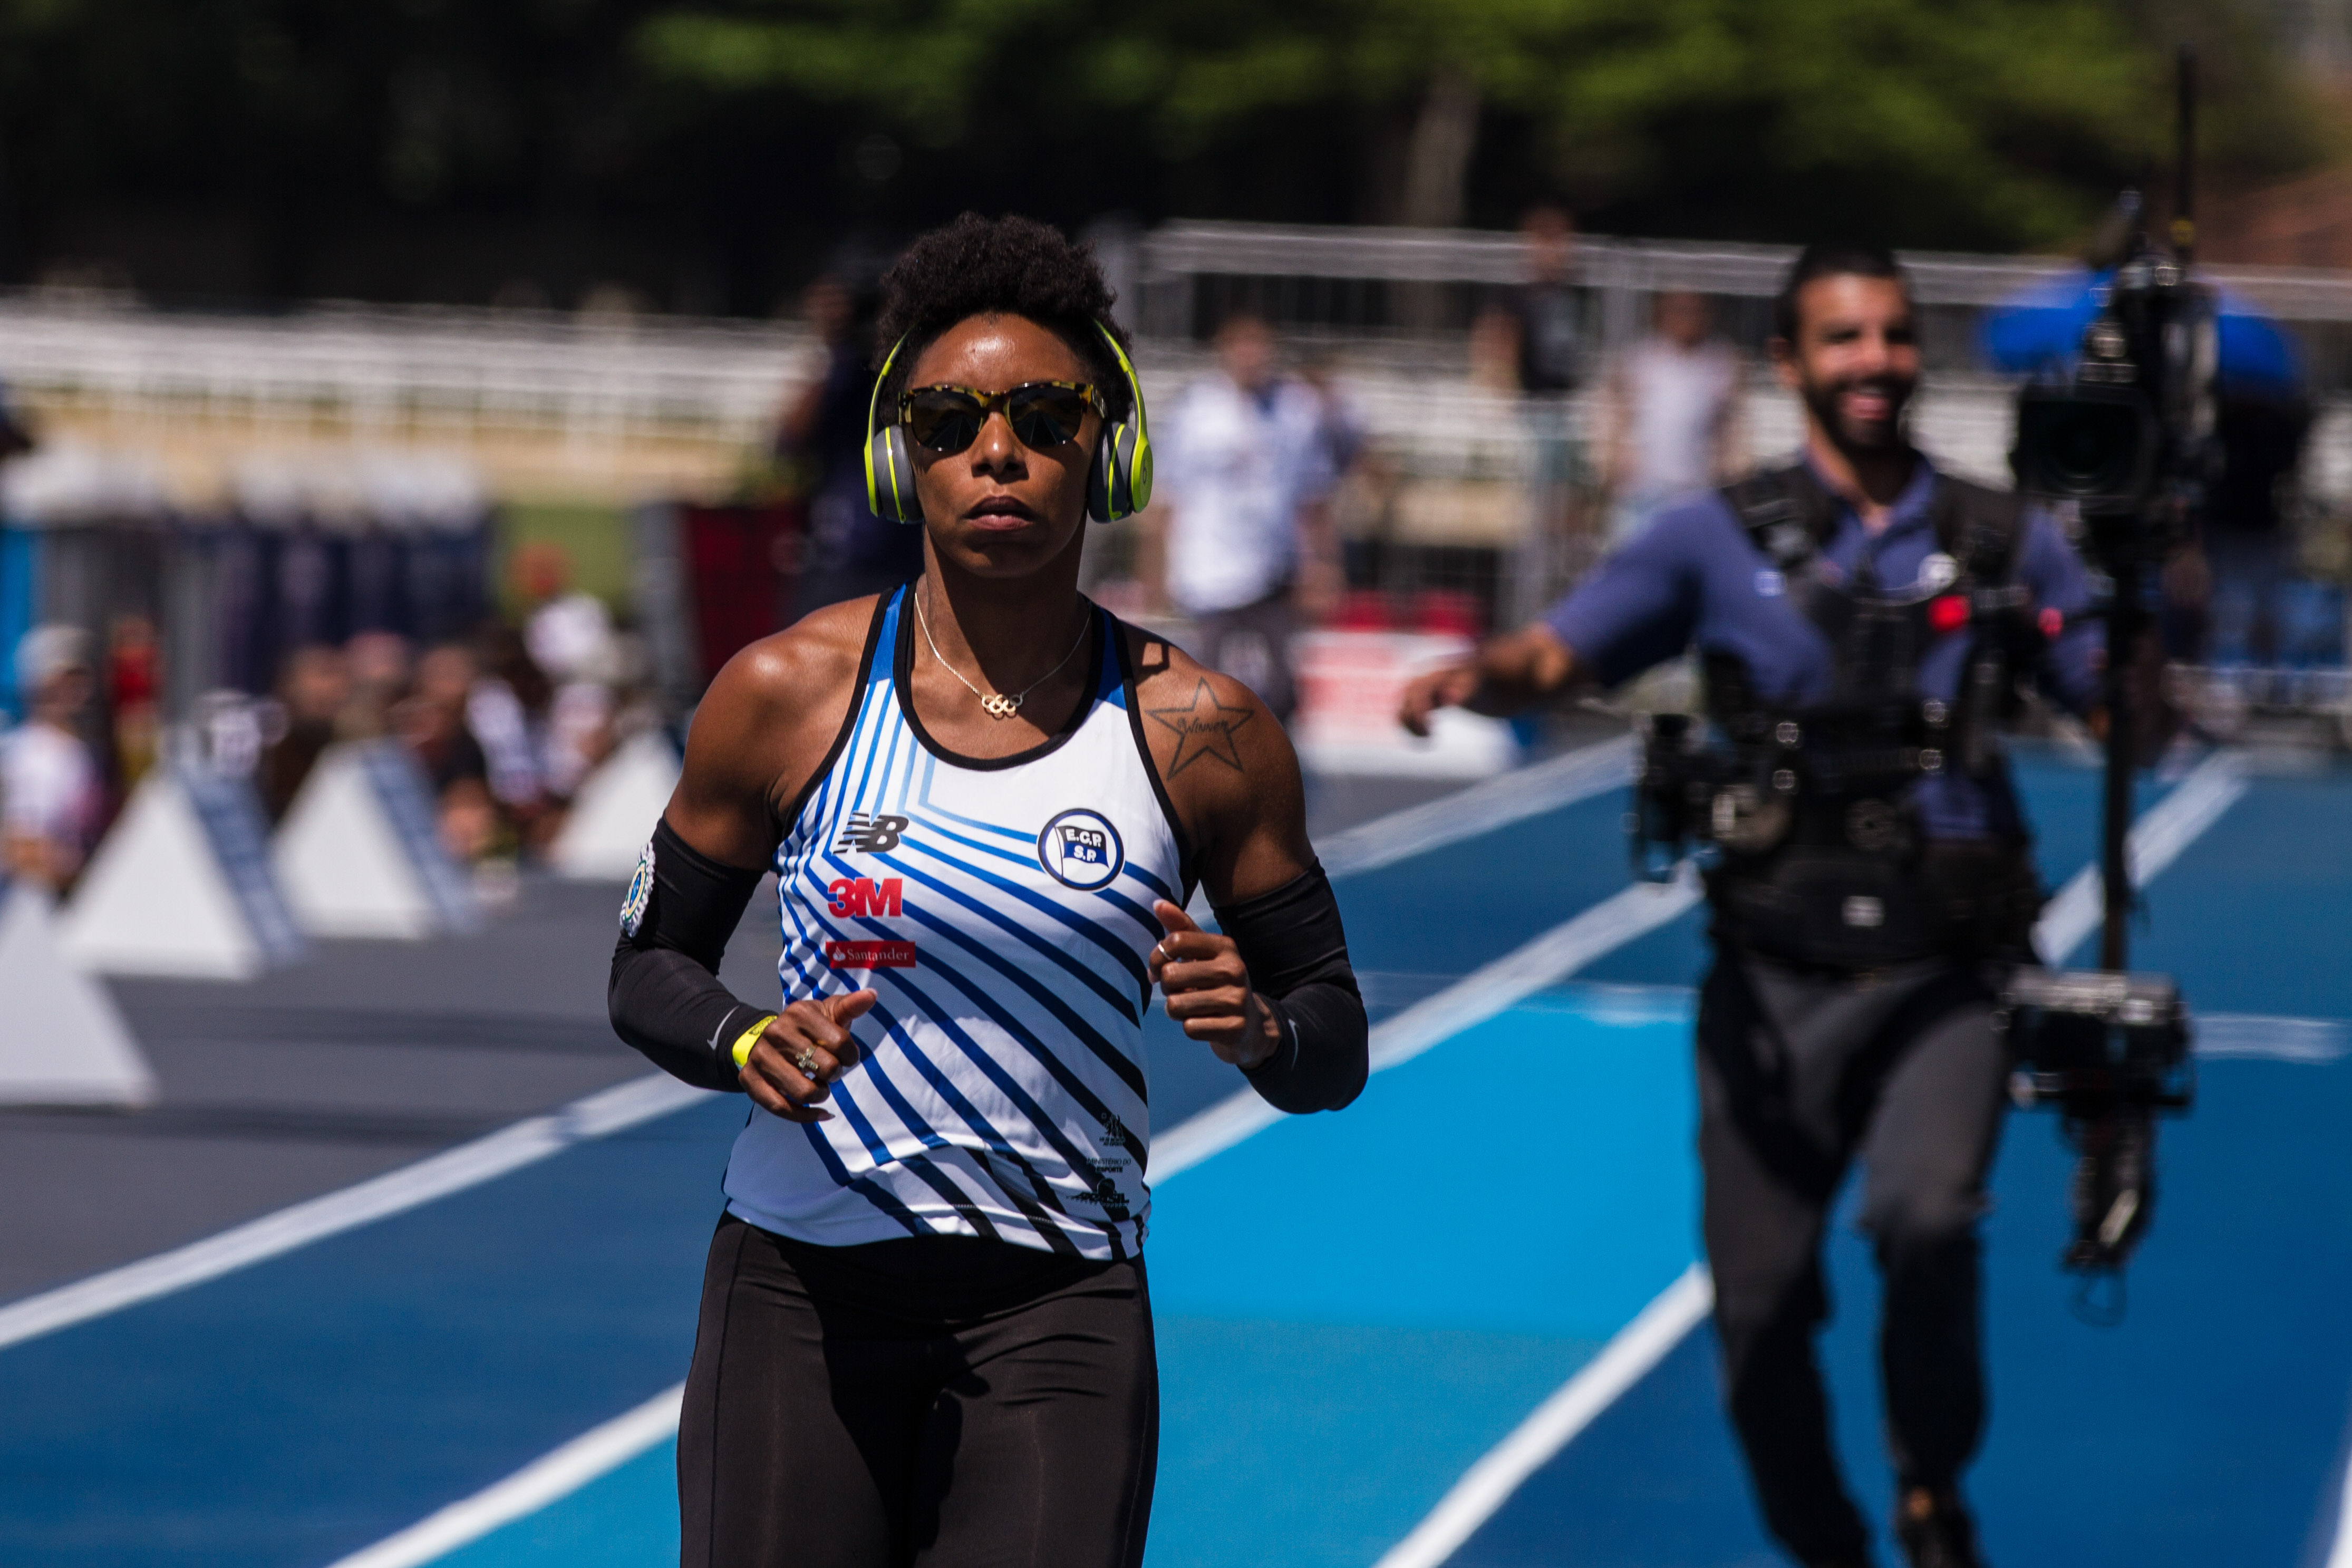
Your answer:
<point x="1799" y="1071"/>
<point x="1252" y="643"/>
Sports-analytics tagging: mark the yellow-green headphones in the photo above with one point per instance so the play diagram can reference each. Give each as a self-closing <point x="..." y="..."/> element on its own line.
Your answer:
<point x="1118" y="485"/>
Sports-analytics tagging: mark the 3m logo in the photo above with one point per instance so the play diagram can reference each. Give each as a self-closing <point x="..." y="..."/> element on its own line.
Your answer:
<point x="865" y="835"/>
<point x="869" y="955"/>
<point x="864" y="895"/>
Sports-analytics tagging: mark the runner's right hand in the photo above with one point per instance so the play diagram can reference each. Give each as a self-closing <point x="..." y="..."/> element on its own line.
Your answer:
<point x="816" y="1027"/>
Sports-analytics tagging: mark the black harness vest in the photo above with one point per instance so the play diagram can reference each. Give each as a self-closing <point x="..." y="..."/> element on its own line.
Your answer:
<point x="1823" y="859"/>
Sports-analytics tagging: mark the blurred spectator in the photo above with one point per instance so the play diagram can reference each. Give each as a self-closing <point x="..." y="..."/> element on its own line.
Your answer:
<point x="314" y="687"/>
<point x="570" y="637"/>
<point x="1544" y="316"/>
<point x="1246" y="471"/>
<point x="851" y="552"/>
<point x="1342" y="439"/>
<point x="506" y="708"/>
<point x="1672" y="423"/>
<point x="579" y="734"/>
<point x="1538" y="329"/>
<point x="15" y="440"/>
<point x="377" y="664"/>
<point x="2248" y="548"/>
<point x="133" y="687"/>
<point x="432" y="720"/>
<point x="50" y="790"/>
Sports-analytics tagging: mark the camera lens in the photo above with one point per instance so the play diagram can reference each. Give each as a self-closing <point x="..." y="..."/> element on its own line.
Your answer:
<point x="2079" y="447"/>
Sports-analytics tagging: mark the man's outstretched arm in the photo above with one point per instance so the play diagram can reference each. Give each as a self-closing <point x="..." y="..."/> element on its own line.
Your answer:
<point x="1509" y="674"/>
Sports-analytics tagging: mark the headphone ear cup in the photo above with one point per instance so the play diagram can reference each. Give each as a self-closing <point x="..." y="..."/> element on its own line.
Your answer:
<point x="1120" y="485"/>
<point x="890" y="475"/>
<point x="1102" y="480"/>
<point x="1139" y="469"/>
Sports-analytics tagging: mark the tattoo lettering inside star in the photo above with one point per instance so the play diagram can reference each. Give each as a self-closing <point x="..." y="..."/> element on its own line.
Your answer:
<point x="1204" y="727"/>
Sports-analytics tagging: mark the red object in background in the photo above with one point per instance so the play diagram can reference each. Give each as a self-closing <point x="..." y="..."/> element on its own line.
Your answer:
<point x="1364" y="610"/>
<point x="1949" y="614"/>
<point x="743" y="563"/>
<point x="1444" y="612"/>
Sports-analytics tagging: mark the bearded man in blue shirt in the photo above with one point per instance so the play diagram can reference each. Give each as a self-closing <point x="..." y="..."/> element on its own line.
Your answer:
<point x="1862" y="621"/>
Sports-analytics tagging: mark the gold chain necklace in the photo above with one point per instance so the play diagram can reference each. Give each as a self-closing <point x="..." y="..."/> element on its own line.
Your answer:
<point x="998" y="705"/>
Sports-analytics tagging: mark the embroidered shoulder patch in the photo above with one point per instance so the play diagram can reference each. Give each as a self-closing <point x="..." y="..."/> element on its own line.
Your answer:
<point x="640" y="894"/>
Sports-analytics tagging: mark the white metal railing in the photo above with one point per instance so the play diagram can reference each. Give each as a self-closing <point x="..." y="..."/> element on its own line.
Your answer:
<point x="587" y="377"/>
<point x="1182" y="250"/>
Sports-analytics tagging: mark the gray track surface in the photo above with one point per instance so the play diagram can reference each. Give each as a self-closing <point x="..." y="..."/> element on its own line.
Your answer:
<point x="366" y="1057"/>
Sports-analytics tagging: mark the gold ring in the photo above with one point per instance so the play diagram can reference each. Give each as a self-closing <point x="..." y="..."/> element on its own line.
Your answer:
<point x="805" y="1059"/>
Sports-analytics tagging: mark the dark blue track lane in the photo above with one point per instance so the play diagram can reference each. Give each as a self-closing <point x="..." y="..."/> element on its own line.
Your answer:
<point x="298" y="1410"/>
<point x="1434" y="917"/>
<point x="2209" y="1428"/>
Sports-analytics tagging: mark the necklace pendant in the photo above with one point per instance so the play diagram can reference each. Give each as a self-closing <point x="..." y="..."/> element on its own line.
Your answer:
<point x="1000" y="706"/>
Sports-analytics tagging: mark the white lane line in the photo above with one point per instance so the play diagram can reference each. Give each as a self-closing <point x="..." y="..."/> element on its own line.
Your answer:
<point x="1639" y="1346"/>
<point x="1473" y="999"/>
<point x="2339" y="1554"/>
<point x="526" y="1142"/>
<point x="2157" y="841"/>
<point x="1496" y="803"/>
<point x="528" y="1489"/>
<point x="1476" y="997"/>
<point x="2261" y="1037"/>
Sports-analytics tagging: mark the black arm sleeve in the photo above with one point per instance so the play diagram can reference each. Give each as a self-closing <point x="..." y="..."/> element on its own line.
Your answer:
<point x="665" y="996"/>
<point x="1297" y="953"/>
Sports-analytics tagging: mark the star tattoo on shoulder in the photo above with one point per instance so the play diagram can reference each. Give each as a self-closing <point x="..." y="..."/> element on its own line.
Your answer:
<point x="1204" y="727"/>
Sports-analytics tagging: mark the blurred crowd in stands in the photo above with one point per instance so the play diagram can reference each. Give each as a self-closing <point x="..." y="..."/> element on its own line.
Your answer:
<point x="505" y="725"/>
<point x="1258" y="531"/>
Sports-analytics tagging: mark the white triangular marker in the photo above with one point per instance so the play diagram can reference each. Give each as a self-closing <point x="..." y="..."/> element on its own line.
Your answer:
<point x="345" y="871"/>
<point x="156" y="899"/>
<point x="615" y="810"/>
<point x="62" y="1039"/>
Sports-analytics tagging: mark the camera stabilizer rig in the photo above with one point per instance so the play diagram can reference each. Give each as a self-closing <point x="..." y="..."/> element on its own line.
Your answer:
<point x="2130" y="445"/>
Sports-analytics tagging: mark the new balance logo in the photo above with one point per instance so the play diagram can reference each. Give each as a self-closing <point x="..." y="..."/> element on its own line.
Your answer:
<point x="864" y="895"/>
<point x="869" y="834"/>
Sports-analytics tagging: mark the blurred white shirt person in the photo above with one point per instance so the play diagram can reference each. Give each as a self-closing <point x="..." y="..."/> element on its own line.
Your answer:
<point x="571" y="639"/>
<point x="1243" y="467"/>
<point x="50" y="791"/>
<point x="1673" y="414"/>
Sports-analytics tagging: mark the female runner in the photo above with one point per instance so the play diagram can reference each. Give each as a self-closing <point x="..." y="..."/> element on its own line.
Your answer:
<point x="925" y="1336"/>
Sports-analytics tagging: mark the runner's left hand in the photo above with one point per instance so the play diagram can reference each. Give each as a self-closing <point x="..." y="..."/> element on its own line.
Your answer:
<point x="1207" y="990"/>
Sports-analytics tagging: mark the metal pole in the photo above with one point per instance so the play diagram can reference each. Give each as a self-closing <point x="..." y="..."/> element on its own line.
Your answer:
<point x="2184" y="157"/>
<point x="2123" y="633"/>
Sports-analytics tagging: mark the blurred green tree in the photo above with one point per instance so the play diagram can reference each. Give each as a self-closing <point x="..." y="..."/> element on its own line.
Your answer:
<point x="1963" y="122"/>
<point x="708" y="153"/>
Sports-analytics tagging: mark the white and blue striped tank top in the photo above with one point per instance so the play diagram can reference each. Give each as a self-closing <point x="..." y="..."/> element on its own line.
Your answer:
<point x="1002" y="909"/>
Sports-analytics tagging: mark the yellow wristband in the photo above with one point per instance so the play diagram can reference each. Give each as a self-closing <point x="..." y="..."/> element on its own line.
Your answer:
<point x="750" y="1037"/>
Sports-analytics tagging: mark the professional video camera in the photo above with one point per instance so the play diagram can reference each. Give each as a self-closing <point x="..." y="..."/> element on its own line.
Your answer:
<point x="2130" y="445"/>
<point x="2130" y="442"/>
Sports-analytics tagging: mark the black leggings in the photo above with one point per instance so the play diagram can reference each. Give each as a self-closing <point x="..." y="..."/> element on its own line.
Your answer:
<point x="934" y="1400"/>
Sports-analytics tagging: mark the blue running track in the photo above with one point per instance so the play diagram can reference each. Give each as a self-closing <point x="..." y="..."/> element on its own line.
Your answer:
<point x="1353" y="1310"/>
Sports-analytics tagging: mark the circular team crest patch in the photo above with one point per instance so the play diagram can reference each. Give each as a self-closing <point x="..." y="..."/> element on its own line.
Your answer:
<point x="1081" y="849"/>
<point x="640" y="893"/>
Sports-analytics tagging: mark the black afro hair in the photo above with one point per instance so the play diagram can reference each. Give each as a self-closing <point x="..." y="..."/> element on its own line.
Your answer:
<point x="999" y="267"/>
